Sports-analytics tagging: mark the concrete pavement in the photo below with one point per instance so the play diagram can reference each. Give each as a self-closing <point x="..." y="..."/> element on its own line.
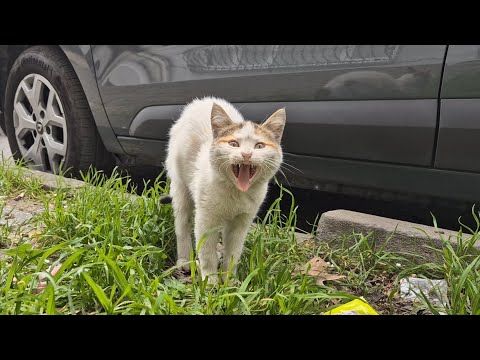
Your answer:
<point x="4" y="147"/>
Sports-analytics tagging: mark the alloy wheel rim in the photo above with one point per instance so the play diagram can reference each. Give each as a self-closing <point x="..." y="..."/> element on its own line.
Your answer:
<point x="40" y="125"/>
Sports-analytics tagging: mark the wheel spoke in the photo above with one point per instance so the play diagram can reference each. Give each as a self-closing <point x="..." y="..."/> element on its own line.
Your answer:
<point x="26" y="91"/>
<point x="49" y="105"/>
<point x="25" y="121"/>
<point x="52" y="118"/>
<point x="34" y="154"/>
<point x="54" y="147"/>
<point x="37" y="89"/>
<point x="55" y="151"/>
<point x="33" y="94"/>
<point x="53" y="165"/>
<point x="56" y="120"/>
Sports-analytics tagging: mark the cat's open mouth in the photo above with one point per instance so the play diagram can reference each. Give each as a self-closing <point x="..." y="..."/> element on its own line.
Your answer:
<point x="244" y="174"/>
<point x="247" y="169"/>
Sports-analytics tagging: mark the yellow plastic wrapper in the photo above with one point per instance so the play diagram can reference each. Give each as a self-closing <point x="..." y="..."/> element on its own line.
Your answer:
<point x="354" y="307"/>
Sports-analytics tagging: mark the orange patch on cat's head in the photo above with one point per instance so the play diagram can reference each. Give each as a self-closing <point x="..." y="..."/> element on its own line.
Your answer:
<point x="268" y="138"/>
<point x="226" y="135"/>
<point x="270" y="131"/>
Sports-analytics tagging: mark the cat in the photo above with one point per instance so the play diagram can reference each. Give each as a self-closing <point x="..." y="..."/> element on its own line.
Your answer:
<point x="219" y="166"/>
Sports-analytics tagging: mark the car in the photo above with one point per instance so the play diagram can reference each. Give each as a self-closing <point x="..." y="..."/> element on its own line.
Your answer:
<point x="400" y="119"/>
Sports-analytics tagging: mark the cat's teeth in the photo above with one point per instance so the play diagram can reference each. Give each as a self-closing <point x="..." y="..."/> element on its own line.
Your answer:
<point x="252" y="170"/>
<point x="236" y="169"/>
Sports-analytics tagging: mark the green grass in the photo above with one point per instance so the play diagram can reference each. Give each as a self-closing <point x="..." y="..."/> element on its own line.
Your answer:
<point x="117" y="255"/>
<point x="460" y="267"/>
<point x="13" y="180"/>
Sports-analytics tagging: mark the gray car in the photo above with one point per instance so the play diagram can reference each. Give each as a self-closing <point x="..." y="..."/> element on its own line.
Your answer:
<point x="388" y="118"/>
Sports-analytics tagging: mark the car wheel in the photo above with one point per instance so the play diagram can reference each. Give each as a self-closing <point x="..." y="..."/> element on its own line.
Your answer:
<point x="2" y="124"/>
<point x="47" y="117"/>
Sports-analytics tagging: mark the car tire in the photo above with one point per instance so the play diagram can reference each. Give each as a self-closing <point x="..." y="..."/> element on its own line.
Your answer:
<point x="2" y="124"/>
<point x="47" y="117"/>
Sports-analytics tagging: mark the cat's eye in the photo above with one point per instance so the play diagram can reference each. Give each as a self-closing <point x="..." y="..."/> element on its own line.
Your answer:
<point x="233" y="143"/>
<point x="259" y="146"/>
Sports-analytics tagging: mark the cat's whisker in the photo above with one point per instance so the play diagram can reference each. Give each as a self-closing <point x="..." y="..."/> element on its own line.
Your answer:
<point x="284" y="163"/>
<point x="287" y="169"/>
<point x="284" y="166"/>
<point x="225" y="163"/>
<point x="268" y="163"/>
<point x="292" y="169"/>
<point x="241" y="107"/>
<point x="221" y="165"/>
<point x="223" y="157"/>
<point x="285" y="177"/>
<point x="271" y="162"/>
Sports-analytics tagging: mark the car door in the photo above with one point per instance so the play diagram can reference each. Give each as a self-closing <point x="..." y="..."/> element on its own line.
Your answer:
<point x="459" y="128"/>
<point x="362" y="102"/>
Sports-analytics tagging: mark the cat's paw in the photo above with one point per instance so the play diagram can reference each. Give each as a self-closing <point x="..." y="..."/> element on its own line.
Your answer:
<point x="184" y="264"/>
<point x="212" y="280"/>
<point x="232" y="280"/>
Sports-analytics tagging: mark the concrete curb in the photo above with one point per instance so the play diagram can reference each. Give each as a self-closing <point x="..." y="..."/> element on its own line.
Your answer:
<point x="404" y="237"/>
<point x="52" y="182"/>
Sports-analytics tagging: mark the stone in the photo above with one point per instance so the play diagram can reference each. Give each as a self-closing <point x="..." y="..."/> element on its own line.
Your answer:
<point x="405" y="238"/>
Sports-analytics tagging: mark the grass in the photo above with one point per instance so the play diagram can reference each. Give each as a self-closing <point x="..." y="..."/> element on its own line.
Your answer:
<point x="13" y="180"/>
<point x="460" y="267"/>
<point x="117" y="255"/>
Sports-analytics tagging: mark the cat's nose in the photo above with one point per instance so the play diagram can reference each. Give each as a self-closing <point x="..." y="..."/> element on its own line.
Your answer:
<point x="246" y="156"/>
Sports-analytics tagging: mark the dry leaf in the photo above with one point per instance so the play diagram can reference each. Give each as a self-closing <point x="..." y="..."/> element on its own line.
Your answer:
<point x="19" y="197"/>
<point x="318" y="266"/>
<point x="319" y="279"/>
<point x="319" y="270"/>
<point x="334" y="301"/>
<point x="34" y="235"/>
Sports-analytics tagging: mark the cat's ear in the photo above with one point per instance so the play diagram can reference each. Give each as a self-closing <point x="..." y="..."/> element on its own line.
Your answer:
<point x="276" y="123"/>
<point x="220" y="120"/>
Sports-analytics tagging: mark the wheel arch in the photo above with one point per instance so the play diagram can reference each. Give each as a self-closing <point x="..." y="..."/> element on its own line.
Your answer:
<point x="80" y="58"/>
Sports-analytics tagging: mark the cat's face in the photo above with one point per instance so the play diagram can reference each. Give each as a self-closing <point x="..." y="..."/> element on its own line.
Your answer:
<point x="246" y="152"/>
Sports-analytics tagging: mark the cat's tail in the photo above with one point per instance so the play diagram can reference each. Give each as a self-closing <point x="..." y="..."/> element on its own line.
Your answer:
<point x="165" y="199"/>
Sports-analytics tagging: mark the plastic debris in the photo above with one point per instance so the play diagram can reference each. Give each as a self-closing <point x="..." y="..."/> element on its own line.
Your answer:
<point x="411" y="288"/>
<point x="354" y="307"/>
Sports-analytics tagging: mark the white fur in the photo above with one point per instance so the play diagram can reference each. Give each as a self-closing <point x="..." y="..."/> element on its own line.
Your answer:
<point x="202" y="180"/>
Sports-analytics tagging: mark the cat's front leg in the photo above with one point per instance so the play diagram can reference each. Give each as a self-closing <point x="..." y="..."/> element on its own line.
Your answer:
<point x="183" y="211"/>
<point x="207" y="231"/>
<point x="234" y="235"/>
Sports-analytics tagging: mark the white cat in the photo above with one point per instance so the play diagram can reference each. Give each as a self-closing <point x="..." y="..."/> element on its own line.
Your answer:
<point x="219" y="165"/>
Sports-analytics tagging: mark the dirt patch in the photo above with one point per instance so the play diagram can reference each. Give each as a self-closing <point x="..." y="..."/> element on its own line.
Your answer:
<point x="383" y="296"/>
<point x="17" y="218"/>
<point x="16" y="212"/>
<point x="26" y="204"/>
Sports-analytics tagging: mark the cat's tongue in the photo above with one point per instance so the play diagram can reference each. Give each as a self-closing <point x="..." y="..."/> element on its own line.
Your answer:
<point x="244" y="178"/>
